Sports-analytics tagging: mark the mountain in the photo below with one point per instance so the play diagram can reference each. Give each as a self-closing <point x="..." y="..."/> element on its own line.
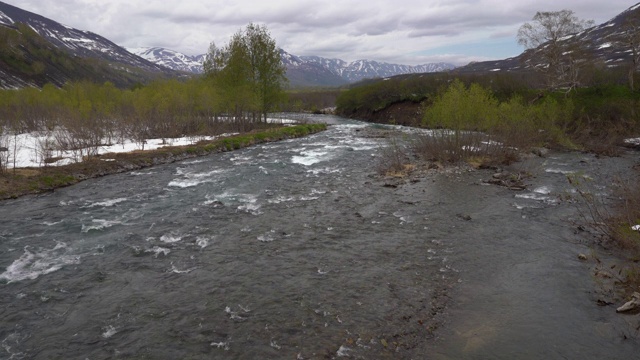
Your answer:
<point x="368" y="69"/>
<point x="170" y="59"/>
<point x="301" y="70"/>
<point x="602" y="42"/>
<point x="43" y="50"/>
<point x="72" y="54"/>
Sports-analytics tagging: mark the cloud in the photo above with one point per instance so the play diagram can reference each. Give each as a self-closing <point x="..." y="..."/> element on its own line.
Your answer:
<point x="383" y="30"/>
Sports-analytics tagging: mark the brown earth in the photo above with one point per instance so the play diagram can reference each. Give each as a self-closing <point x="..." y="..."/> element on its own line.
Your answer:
<point x="407" y="113"/>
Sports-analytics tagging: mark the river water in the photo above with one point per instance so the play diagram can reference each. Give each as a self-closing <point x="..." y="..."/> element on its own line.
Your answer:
<point x="297" y="250"/>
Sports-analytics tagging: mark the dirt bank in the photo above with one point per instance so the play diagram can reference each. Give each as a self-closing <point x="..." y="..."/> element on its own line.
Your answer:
<point x="407" y="113"/>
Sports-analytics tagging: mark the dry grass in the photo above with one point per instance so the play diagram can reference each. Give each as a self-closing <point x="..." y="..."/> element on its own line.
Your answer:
<point x="626" y="215"/>
<point x="475" y="148"/>
<point x="394" y="160"/>
<point x="613" y="220"/>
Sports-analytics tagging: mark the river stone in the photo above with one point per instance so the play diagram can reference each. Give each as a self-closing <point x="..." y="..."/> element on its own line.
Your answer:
<point x="540" y="151"/>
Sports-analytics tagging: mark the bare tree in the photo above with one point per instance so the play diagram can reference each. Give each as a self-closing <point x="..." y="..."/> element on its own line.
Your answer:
<point x="550" y="38"/>
<point x="630" y="39"/>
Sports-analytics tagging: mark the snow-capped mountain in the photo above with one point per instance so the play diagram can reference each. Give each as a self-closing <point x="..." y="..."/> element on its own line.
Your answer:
<point x="77" y="42"/>
<point x="171" y="59"/>
<point x="301" y="70"/>
<point x="367" y="69"/>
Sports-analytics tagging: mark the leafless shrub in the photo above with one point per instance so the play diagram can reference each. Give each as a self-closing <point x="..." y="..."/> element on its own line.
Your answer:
<point x="615" y="217"/>
<point x="394" y="160"/>
<point x="454" y="146"/>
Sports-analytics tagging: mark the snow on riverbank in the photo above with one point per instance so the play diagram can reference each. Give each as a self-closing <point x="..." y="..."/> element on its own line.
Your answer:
<point x="32" y="149"/>
<point x="36" y="149"/>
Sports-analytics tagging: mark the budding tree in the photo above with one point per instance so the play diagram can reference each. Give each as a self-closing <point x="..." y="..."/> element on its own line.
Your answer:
<point x="249" y="71"/>
<point x="550" y="39"/>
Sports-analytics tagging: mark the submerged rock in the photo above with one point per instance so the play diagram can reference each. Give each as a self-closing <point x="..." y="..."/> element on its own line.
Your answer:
<point x="540" y="151"/>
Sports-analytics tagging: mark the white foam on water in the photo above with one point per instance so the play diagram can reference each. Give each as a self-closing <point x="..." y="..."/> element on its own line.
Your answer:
<point x="202" y="241"/>
<point x="170" y="238"/>
<point x="251" y="207"/>
<point x="99" y="224"/>
<point x="310" y="157"/>
<point x="308" y="198"/>
<point x="187" y="183"/>
<point x="221" y="345"/>
<point x="241" y="160"/>
<point x="559" y="171"/>
<point x="194" y="179"/>
<point x="194" y="161"/>
<point x="48" y="223"/>
<point x="106" y="203"/>
<point x="531" y="196"/>
<point x="536" y="196"/>
<point x="159" y="250"/>
<point x="141" y="173"/>
<point x="360" y="144"/>
<point x="175" y="270"/>
<point x="280" y="199"/>
<point x="32" y="264"/>
<point x="109" y="331"/>
<point x="545" y="190"/>
<point x="326" y="170"/>
<point x="267" y="237"/>
<point x="233" y="314"/>
<point x="247" y="202"/>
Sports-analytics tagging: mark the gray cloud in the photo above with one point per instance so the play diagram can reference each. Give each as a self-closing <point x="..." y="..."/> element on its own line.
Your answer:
<point x="384" y="30"/>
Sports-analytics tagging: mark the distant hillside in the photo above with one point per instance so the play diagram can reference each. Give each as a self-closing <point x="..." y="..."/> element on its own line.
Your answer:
<point x="39" y="51"/>
<point x="602" y="42"/>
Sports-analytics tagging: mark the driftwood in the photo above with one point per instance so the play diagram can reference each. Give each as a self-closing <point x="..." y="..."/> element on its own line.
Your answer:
<point x="633" y="304"/>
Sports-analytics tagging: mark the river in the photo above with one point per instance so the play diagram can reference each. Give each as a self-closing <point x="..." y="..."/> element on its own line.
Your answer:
<point x="298" y="250"/>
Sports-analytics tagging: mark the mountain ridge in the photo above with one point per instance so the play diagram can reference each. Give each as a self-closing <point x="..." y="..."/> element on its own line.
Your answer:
<point x="600" y="43"/>
<point x="301" y="70"/>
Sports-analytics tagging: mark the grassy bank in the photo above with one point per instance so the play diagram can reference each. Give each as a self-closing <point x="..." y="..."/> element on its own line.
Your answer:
<point x="25" y="181"/>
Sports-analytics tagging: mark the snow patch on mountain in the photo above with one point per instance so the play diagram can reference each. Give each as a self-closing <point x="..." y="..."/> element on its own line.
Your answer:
<point x="349" y="72"/>
<point x="4" y="19"/>
<point x="78" y="42"/>
<point x="170" y="59"/>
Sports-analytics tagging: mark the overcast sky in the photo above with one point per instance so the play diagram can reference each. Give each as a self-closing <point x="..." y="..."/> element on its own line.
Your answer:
<point x="397" y="31"/>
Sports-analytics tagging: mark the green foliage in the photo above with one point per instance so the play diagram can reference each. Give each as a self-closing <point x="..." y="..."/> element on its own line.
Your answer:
<point x="463" y="108"/>
<point x="57" y="180"/>
<point x="515" y="123"/>
<point x="249" y="71"/>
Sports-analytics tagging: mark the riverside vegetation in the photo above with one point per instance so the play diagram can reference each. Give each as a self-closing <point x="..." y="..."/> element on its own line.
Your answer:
<point x="244" y="80"/>
<point x="492" y="120"/>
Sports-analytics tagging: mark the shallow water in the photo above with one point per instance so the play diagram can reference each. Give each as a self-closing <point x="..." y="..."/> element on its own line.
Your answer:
<point x="296" y="250"/>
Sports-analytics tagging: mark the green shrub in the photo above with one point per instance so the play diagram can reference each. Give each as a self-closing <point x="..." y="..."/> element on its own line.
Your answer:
<point x="463" y="108"/>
